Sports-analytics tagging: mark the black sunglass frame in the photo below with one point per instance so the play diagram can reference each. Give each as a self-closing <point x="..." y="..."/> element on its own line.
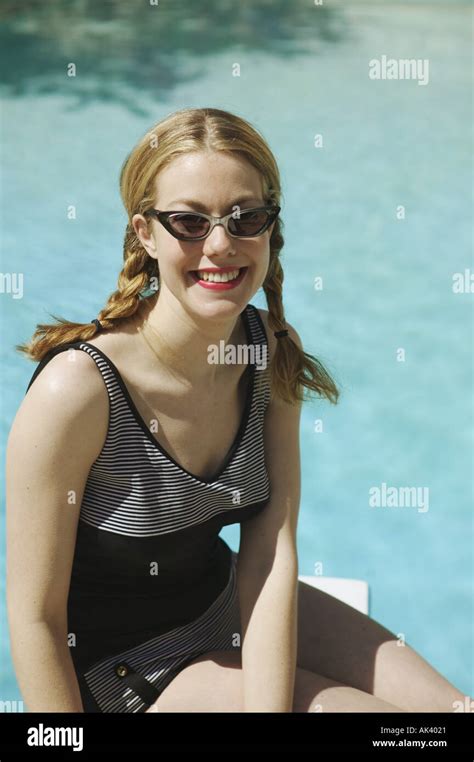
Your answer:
<point x="273" y="210"/>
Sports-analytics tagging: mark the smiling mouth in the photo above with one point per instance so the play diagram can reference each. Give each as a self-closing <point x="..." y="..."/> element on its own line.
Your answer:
<point x="218" y="276"/>
<point x="219" y="279"/>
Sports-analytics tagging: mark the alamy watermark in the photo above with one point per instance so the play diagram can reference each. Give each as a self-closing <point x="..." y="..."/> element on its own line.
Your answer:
<point x="463" y="283"/>
<point x="11" y="706"/>
<point x="400" y="68"/>
<point x="42" y="735"/>
<point x="12" y="283"/>
<point x="242" y="354"/>
<point x="399" y="497"/>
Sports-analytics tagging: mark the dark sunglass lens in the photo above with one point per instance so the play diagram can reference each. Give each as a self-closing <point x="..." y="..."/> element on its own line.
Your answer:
<point x="249" y="223"/>
<point x="189" y="225"/>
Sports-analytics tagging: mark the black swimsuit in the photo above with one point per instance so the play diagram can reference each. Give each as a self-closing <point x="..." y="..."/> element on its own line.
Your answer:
<point x="153" y="586"/>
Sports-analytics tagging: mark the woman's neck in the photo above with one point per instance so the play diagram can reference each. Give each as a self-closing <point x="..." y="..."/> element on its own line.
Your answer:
<point x="180" y="345"/>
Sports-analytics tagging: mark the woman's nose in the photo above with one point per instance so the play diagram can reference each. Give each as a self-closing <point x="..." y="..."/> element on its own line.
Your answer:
<point x="218" y="240"/>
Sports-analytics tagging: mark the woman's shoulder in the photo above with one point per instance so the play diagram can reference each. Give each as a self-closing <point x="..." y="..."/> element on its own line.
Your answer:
<point x="68" y="392"/>
<point x="66" y="402"/>
<point x="70" y="375"/>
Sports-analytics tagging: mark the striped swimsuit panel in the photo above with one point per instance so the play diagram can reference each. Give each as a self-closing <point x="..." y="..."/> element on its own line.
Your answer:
<point x="153" y="585"/>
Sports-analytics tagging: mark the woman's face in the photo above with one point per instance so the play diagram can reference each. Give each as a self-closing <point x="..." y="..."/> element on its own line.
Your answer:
<point x="213" y="183"/>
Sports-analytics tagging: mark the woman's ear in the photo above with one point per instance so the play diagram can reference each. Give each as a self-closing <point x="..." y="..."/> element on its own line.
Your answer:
<point x="144" y="235"/>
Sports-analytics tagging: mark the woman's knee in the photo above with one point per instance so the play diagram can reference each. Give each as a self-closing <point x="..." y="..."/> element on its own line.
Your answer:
<point x="317" y="693"/>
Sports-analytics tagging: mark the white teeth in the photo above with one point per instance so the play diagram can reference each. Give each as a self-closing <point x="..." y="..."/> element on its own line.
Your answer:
<point x="218" y="277"/>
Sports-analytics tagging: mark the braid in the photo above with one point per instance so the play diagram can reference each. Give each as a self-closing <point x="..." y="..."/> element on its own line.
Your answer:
<point x="291" y="368"/>
<point x="273" y="288"/>
<point x="132" y="280"/>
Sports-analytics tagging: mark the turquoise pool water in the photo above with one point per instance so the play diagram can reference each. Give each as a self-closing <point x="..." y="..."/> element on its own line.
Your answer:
<point x="387" y="282"/>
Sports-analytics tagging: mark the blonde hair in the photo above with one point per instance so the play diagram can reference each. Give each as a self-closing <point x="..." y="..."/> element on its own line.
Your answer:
<point x="292" y="370"/>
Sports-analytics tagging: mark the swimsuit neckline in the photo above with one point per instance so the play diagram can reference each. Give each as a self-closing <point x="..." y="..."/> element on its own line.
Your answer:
<point x="139" y="419"/>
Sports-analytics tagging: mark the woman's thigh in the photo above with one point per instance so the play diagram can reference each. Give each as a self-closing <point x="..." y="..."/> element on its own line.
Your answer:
<point x="336" y="640"/>
<point x="213" y="683"/>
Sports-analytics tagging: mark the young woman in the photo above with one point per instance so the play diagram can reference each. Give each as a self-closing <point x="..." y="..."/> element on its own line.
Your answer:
<point x="145" y="431"/>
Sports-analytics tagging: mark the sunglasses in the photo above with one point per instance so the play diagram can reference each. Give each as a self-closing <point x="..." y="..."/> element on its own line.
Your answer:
<point x="191" y="226"/>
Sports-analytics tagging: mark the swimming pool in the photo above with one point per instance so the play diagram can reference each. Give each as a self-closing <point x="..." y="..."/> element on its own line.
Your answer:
<point x="380" y="211"/>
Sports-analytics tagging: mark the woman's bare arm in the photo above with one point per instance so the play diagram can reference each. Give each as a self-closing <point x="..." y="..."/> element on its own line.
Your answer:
<point x="57" y="433"/>
<point x="267" y="570"/>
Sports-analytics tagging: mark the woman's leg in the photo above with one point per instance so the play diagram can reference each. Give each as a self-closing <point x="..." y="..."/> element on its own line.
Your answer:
<point x="213" y="683"/>
<point x="336" y="640"/>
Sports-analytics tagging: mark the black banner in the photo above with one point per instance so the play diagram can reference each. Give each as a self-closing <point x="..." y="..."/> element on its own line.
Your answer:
<point x="76" y="736"/>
